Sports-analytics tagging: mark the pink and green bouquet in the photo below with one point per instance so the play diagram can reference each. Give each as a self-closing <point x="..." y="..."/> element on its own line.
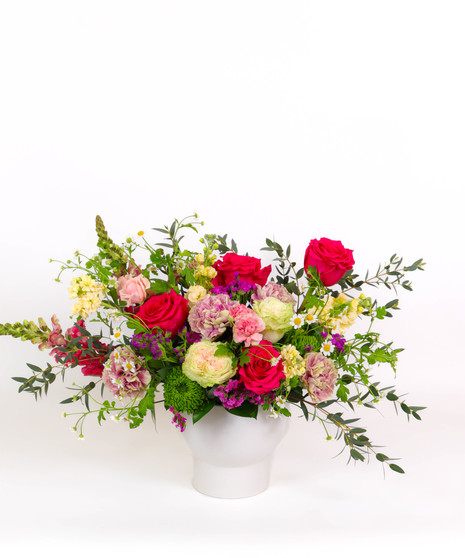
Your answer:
<point x="191" y="330"/>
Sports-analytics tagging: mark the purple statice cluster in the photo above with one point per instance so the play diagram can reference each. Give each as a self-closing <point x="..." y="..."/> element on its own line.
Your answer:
<point x="154" y="343"/>
<point x="338" y="341"/>
<point x="191" y="336"/>
<point x="236" y="286"/>
<point x="178" y="420"/>
<point x="150" y="342"/>
<point x="233" y="395"/>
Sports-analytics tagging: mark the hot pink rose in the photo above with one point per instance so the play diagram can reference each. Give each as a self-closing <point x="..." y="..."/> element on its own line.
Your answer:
<point x="330" y="259"/>
<point x="168" y="311"/>
<point x="247" y="326"/>
<point x="133" y="290"/>
<point x="249" y="269"/>
<point x="264" y="372"/>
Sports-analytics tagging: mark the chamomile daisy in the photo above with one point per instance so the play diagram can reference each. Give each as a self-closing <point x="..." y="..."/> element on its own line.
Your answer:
<point x="117" y="335"/>
<point x="129" y="366"/>
<point x="280" y="401"/>
<point x="310" y="318"/>
<point x="297" y="321"/>
<point x="327" y="347"/>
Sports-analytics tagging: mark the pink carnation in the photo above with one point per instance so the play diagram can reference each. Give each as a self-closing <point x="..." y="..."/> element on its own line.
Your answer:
<point x="273" y="289"/>
<point x="211" y="315"/>
<point x="133" y="290"/>
<point x="124" y="375"/>
<point x="247" y="326"/>
<point x="320" y="376"/>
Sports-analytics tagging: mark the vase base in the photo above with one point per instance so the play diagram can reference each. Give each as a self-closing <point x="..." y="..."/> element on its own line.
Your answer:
<point x="231" y="482"/>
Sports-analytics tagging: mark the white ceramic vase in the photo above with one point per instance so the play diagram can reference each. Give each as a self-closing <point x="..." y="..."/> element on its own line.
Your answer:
<point x="232" y="454"/>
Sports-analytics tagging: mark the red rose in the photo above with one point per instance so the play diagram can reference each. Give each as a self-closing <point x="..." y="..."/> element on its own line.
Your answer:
<point x="260" y="375"/>
<point x="249" y="269"/>
<point x="330" y="259"/>
<point x="167" y="311"/>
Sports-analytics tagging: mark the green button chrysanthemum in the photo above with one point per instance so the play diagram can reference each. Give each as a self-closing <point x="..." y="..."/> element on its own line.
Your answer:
<point x="182" y="393"/>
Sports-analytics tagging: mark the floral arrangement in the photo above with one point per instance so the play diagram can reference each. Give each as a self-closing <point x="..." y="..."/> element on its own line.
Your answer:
<point x="193" y="330"/>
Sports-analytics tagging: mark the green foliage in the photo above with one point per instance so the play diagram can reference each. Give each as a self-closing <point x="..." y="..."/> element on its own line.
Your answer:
<point x="391" y="275"/>
<point x="287" y="273"/>
<point x="247" y="409"/>
<point x="202" y="411"/>
<point x="38" y="383"/>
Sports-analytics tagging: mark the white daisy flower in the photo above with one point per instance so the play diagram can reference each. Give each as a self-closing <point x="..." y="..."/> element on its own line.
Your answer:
<point x="310" y="318"/>
<point x="297" y="321"/>
<point x="280" y="401"/>
<point x="117" y="336"/>
<point x="116" y="356"/>
<point x="327" y="347"/>
<point x="129" y="366"/>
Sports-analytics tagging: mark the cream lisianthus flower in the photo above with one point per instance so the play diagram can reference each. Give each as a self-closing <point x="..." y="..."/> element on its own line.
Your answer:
<point x="277" y="316"/>
<point x="202" y="366"/>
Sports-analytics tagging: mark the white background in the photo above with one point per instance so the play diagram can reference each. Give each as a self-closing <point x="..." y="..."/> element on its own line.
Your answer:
<point x="288" y="119"/>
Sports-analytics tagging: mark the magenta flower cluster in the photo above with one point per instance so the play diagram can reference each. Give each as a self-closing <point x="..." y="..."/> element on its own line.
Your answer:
<point x="178" y="420"/>
<point x="236" y="286"/>
<point x="338" y="341"/>
<point x="233" y="394"/>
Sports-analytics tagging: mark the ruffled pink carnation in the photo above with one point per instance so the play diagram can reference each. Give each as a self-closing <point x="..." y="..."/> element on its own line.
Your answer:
<point x="320" y="376"/>
<point x="247" y="326"/>
<point x="211" y="316"/>
<point x="277" y="291"/>
<point x="133" y="290"/>
<point x="124" y="375"/>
